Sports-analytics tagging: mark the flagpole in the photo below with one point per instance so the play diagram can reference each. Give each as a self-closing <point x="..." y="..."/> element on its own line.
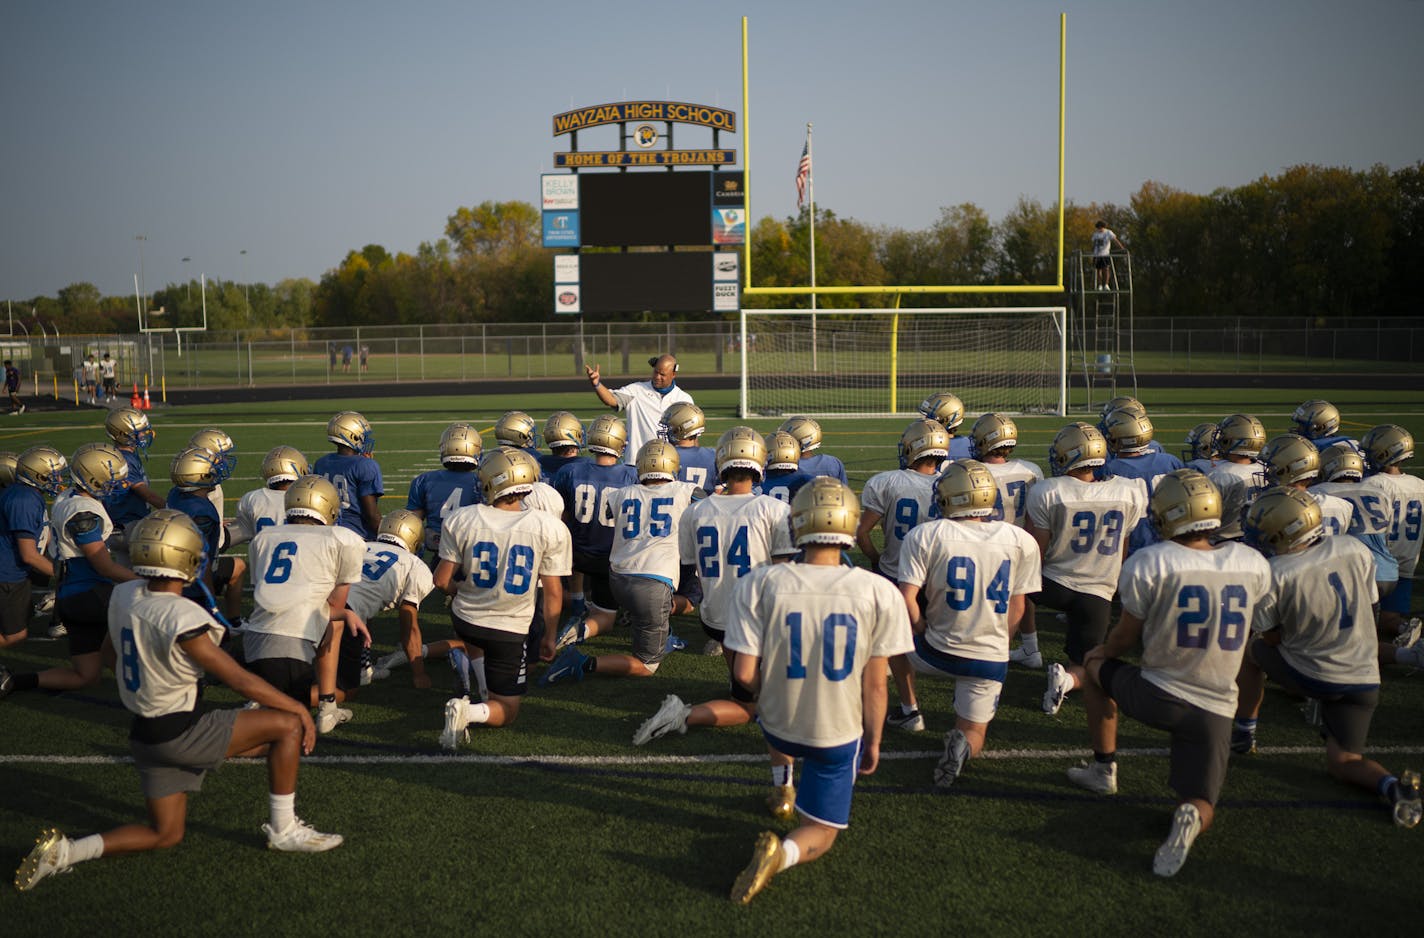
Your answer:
<point x="811" y="198"/>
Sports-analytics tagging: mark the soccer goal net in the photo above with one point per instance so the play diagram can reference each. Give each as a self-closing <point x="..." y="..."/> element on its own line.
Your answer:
<point x="882" y="362"/>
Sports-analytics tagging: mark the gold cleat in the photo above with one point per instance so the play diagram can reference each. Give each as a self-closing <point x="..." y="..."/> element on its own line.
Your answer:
<point x="50" y="855"/>
<point x="1407" y="805"/>
<point x="765" y="863"/>
<point x="782" y="802"/>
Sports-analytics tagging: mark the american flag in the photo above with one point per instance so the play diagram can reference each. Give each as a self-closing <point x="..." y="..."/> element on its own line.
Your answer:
<point x="803" y="172"/>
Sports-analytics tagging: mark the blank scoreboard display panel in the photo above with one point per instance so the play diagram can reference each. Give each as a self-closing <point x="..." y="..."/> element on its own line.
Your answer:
<point x="631" y="283"/>
<point x="650" y="208"/>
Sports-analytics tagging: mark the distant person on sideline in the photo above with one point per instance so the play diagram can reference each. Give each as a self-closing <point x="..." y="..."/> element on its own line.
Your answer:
<point x="110" y="376"/>
<point x="644" y="401"/>
<point x="1103" y="240"/>
<point x="346" y="358"/>
<point x="12" y="386"/>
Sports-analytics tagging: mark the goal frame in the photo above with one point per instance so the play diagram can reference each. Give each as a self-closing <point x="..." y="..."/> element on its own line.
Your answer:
<point x="1057" y="314"/>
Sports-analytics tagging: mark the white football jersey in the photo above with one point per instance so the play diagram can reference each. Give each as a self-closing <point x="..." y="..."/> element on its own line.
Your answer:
<point x="969" y="570"/>
<point x="1372" y="508"/>
<point x="1337" y="515"/>
<point x="155" y="677"/>
<point x="1406" y="508"/>
<point x="257" y="509"/>
<point x="1238" y="484"/>
<point x="645" y="523"/>
<point x="544" y="497"/>
<point x="814" y="628"/>
<point x="903" y="498"/>
<point x="1321" y="601"/>
<point x="391" y="576"/>
<point x="502" y="555"/>
<point x="1087" y="523"/>
<point x="726" y="537"/>
<point x="1204" y="464"/>
<point x="70" y="503"/>
<point x="294" y="569"/>
<point x="1196" y="607"/>
<point x="1016" y="478"/>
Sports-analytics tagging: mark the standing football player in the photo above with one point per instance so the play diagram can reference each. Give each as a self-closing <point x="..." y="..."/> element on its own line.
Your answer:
<point x="682" y="425"/>
<point x="814" y="463"/>
<point x="354" y="471"/>
<point x="563" y="434"/>
<point x="1319" y="422"/>
<point x="947" y="410"/>
<point x="131" y="433"/>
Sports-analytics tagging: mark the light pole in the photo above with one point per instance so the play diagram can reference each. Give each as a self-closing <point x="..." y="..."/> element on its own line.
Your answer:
<point x="246" y="286"/>
<point x="142" y="284"/>
<point x="188" y="284"/>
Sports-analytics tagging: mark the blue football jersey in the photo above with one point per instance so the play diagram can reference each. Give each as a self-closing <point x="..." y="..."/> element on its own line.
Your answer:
<point x="824" y="464"/>
<point x="698" y="465"/>
<point x="22" y="513"/>
<point x="127" y="505"/>
<point x="439" y="492"/>
<point x="783" y="484"/>
<point x="581" y="483"/>
<point x="354" y="477"/>
<point x="550" y="464"/>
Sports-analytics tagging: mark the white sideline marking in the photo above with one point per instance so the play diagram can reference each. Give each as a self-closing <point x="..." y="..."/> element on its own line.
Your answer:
<point x="711" y="759"/>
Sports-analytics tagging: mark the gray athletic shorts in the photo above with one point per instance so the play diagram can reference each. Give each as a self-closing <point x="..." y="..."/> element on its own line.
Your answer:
<point x="179" y="764"/>
<point x="1346" y="712"/>
<point x="649" y="606"/>
<point x="1201" y="741"/>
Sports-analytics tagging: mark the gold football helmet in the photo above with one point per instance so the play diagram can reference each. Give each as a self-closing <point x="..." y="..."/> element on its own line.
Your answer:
<point x="166" y="543"/>
<point x="1240" y="435"/>
<point x="1341" y="462"/>
<point x="517" y="429"/>
<point x="943" y="408"/>
<point x="460" y="445"/>
<point x="507" y="471"/>
<point x="1386" y="445"/>
<point x="1184" y="502"/>
<point x="195" y="467"/>
<point x="99" y="469"/>
<point x="658" y="459"/>
<point x="825" y="511"/>
<point x="1290" y="458"/>
<point x="966" y="489"/>
<point x="283" y="464"/>
<point x="924" y="439"/>
<point x="8" y="462"/>
<point x="44" y="468"/>
<point x="313" y="497"/>
<point x="993" y="432"/>
<point x="783" y="451"/>
<point x="128" y="426"/>
<point x="1077" y="446"/>
<point x="1282" y="520"/>
<point x="404" y="528"/>
<point x="1129" y="404"/>
<point x="563" y="430"/>
<point x="806" y="431"/>
<point x="682" y="421"/>
<point x="220" y="444"/>
<point x="1201" y="443"/>
<point x="1316" y="418"/>
<point x="351" y="430"/>
<point x="608" y="435"/>
<point x="1127" y="433"/>
<point x="741" y="448"/>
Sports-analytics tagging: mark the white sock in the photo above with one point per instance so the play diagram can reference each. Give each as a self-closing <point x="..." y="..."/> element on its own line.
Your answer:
<point x="578" y="597"/>
<point x="477" y="668"/>
<point x="906" y="709"/>
<point x="424" y="651"/>
<point x="782" y="774"/>
<point x="281" y="810"/>
<point x="86" y="848"/>
<point x="790" y="854"/>
<point x="477" y="712"/>
<point x="1030" y="642"/>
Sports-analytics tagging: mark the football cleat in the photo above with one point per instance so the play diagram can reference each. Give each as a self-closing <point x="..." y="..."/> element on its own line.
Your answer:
<point x="196" y="467"/>
<point x="1240" y="435"/>
<point x="955" y="758"/>
<point x="1407" y="805"/>
<point x="283" y="464"/>
<point x="99" y="469"/>
<point x="166" y="543"/>
<point x="781" y="802"/>
<point x="1243" y="741"/>
<point x="329" y="716"/>
<point x="1059" y="684"/>
<point x="806" y="431"/>
<point x="1409" y="633"/>
<point x="1100" y="777"/>
<point x="219" y="443"/>
<point x="572" y="633"/>
<point x="1282" y="520"/>
<point x="741" y="448"/>
<point x="825" y="511"/>
<point x="608" y="435"/>
<point x="50" y="855"/>
<point x="460" y="663"/>
<point x="912" y="722"/>
<point x="658" y="460"/>
<point x="993" y="432"/>
<point x="1186" y="825"/>
<point x="673" y="644"/>
<point x="1127" y="433"/>
<point x="924" y="439"/>
<point x="1184" y="502"/>
<point x="57" y="631"/>
<point x="403" y="527"/>
<point x="1027" y="659"/>
<point x="43" y="468"/>
<point x="1386" y="445"/>
<point x="1290" y="458"/>
<point x="712" y="649"/>
<point x="568" y="665"/>
<point x="765" y="863"/>
<point x="783" y="451"/>
<point x="457" y="725"/>
<point x="671" y="717"/>
<point x="563" y="431"/>
<point x="943" y="408"/>
<point x="1341" y="462"/>
<point x="460" y="445"/>
<point x="1201" y="443"/>
<point x="7" y="682"/>
<point x="507" y="472"/>
<point x="682" y="421"/>
<point x="300" y="837"/>
<point x="313" y="497"/>
<point x="353" y="431"/>
<point x="394" y="660"/>
<point x="966" y="489"/>
<point x="1077" y="446"/>
<point x="517" y="429"/>
<point x="128" y="426"/>
<point x="1316" y="418"/>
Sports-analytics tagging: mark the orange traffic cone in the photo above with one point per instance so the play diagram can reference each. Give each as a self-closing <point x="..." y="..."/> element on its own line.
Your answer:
<point x="134" y="400"/>
<point x="147" y="404"/>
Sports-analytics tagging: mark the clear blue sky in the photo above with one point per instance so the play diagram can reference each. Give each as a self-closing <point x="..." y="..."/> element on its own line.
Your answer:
<point x="301" y="130"/>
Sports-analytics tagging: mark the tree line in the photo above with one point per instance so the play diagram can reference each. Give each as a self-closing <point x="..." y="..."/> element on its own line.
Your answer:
<point x="1323" y="241"/>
